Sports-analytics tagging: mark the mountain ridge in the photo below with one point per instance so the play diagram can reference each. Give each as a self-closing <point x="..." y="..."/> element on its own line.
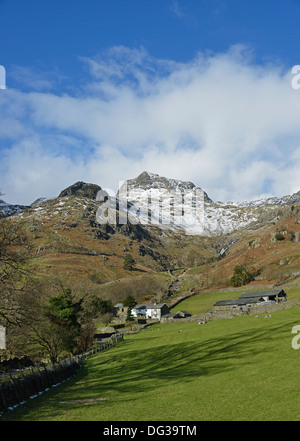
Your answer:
<point x="216" y="218"/>
<point x="147" y="180"/>
<point x="68" y="240"/>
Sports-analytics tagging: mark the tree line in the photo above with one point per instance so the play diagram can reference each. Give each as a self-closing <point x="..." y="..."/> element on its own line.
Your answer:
<point x="46" y="317"/>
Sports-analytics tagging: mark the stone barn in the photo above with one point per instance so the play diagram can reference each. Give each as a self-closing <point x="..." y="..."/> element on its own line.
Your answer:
<point x="247" y="299"/>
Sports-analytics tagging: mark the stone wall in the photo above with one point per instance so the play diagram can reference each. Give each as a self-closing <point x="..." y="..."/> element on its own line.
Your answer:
<point x="230" y="313"/>
<point x="18" y="389"/>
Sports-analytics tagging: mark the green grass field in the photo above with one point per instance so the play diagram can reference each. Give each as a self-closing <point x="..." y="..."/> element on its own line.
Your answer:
<point x="201" y="303"/>
<point x="236" y="369"/>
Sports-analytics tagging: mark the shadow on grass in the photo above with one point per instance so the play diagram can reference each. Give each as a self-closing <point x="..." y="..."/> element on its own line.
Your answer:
<point x="178" y="362"/>
<point x="127" y="369"/>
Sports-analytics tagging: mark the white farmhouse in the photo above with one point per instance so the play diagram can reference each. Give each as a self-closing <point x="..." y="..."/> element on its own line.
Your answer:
<point x="150" y="311"/>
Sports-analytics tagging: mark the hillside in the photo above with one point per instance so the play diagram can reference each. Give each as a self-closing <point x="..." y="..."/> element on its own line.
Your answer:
<point x="68" y="241"/>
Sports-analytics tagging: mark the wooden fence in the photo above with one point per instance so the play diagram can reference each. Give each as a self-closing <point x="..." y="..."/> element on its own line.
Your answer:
<point x="24" y="384"/>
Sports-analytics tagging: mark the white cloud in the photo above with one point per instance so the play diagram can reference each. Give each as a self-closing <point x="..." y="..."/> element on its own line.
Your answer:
<point x="221" y="121"/>
<point x="175" y="8"/>
<point x="34" y="78"/>
<point x="28" y="172"/>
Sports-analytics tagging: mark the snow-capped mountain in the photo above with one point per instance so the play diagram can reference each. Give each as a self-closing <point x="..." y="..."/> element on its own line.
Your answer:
<point x="153" y="200"/>
<point x="169" y="204"/>
<point x="174" y="204"/>
<point x="285" y="200"/>
<point x="10" y="209"/>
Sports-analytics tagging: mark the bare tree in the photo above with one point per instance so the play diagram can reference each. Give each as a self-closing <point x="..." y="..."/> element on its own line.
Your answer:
<point x="14" y="253"/>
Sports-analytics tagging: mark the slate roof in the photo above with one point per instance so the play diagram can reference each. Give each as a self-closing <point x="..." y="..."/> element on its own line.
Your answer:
<point x="236" y="302"/>
<point x="118" y="305"/>
<point x="150" y="306"/>
<point x="251" y="297"/>
<point x="155" y="305"/>
<point x="259" y="294"/>
<point x="186" y="313"/>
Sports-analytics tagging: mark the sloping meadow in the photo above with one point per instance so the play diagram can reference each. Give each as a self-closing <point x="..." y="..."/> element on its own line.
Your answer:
<point x="243" y="368"/>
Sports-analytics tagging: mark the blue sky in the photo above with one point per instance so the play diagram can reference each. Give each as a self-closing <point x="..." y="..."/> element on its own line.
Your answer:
<point x="101" y="90"/>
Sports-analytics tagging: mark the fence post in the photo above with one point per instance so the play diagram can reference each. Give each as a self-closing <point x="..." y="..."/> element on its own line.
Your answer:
<point x="53" y="373"/>
<point x="24" y="382"/>
<point x="14" y="387"/>
<point x="47" y="375"/>
<point x="34" y="379"/>
<point x="3" y="397"/>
